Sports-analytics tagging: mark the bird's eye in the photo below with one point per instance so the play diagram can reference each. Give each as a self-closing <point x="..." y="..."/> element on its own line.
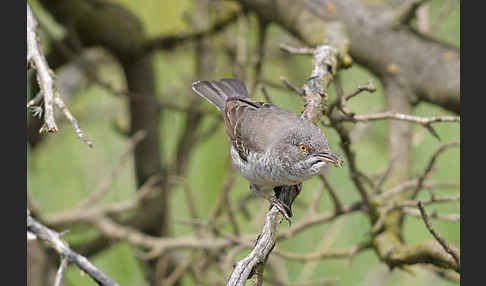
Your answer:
<point x="303" y="148"/>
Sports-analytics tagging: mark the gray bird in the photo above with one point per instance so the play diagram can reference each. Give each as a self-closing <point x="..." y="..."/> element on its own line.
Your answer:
<point x="270" y="146"/>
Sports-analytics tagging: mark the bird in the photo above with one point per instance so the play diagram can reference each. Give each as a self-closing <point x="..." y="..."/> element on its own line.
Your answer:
<point x="270" y="146"/>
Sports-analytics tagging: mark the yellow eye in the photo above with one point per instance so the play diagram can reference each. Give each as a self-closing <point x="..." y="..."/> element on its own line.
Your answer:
<point x="303" y="148"/>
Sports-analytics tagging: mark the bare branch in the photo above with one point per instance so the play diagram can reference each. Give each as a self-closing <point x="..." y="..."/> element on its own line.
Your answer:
<point x="406" y="117"/>
<point x="177" y="273"/>
<point x="431" y="200"/>
<point x="298" y="51"/>
<point x="73" y="120"/>
<point x="384" y="176"/>
<point x="323" y="281"/>
<point x="169" y="42"/>
<point x="314" y="203"/>
<point x="338" y="206"/>
<point x="319" y="219"/>
<point x="292" y="87"/>
<point x="448" y="248"/>
<point x="324" y="254"/>
<point x="44" y="73"/>
<point x="60" y="271"/>
<point x="370" y="87"/>
<point x="157" y="246"/>
<point x="220" y="203"/>
<point x="266" y="95"/>
<point x="45" y="78"/>
<point x="262" y="32"/>
<point x="324" y="66"/>
<point x="264" y="245"/>
<point x="413" y="183"/>
<point x="430" y="165"/>
<point x="54" y="240"/>
<point x="106" y="182"/>
<point x="387" y="208"/>
<point x="434" y="215"/>
<point x="355" y="174"/>
<point x="257" y="277"/>
<point x="86" y="214"/>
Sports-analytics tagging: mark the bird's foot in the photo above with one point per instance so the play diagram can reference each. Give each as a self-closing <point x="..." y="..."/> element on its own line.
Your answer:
<point x="274" y="201"/>
<point x="283" y="208"/>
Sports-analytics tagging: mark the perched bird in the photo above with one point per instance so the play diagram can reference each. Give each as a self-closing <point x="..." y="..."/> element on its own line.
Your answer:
<point x="270" y="146"/>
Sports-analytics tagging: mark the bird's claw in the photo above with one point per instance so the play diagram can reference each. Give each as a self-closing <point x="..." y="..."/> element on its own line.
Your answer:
<point x="283" y="208"/>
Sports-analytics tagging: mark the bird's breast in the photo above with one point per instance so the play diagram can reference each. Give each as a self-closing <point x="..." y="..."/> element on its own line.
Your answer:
<point x="262" y="169"/>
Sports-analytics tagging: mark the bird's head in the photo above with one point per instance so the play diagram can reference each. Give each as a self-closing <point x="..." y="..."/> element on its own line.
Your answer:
<point x="304" y="150"/>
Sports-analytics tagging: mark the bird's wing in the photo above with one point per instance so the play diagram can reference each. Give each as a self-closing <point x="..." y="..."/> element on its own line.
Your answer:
<point x="251" y="125"/>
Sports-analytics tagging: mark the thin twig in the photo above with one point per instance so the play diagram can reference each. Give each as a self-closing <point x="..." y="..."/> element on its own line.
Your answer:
<point x="428" y="169"/>
<point x="384" y="176"/>
<point x="262" y="32"/>
<point x="86" y="214"/>
<point x="106" y="182"/>
<point x="322" y="282"/>
<point x="170" y="42"/>
<point x="179" y="271"/>
<point x="266" y="95"/>
<point x="338" y="206"/>
<point x="406" y="117"/>
<point x="60" y="103"/>
<point x="60" y="271"/>
<point x="406" y="185"/>
<point x="291" y="86"/>
<point x="370" y="87"/>
<point x="426" y="122"/>
<point x="355" y="249"/>
<point x="434" y="215"/>
<point x="298" y="51"/>
<point x="54" y="240"/>
<point x="46" y="83"/>
<point x="44" y="73"/>
<point x="314" y="203"/>
<point x="387" y="208"/>
<point x="448" y="248"/>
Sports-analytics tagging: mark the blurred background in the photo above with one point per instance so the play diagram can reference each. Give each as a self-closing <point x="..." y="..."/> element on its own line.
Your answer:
<point x="92" y="47"/>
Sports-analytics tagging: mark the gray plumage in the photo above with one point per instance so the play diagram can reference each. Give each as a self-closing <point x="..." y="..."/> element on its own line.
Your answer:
<point x="270" y="146"/>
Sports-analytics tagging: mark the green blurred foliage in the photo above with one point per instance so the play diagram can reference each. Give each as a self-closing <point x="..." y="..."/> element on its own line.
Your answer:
<point x="63" y="170"/>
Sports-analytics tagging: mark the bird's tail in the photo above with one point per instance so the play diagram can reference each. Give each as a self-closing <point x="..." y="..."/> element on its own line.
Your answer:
<point x="219" y="91"/>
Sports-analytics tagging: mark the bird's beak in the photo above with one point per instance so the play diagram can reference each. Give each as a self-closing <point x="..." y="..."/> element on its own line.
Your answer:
<point x="330" y="158"/>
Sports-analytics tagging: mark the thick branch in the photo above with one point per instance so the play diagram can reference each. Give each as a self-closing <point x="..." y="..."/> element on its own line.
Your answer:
<point x="263" y="247"/>
<point x="324" y="66"/>
<point x="429" y="68"/>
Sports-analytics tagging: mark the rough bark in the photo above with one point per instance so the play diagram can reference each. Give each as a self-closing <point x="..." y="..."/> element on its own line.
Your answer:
<point x="101" y="23"/>
<point x="374" y="36"/>
<point x="411" y="66"/>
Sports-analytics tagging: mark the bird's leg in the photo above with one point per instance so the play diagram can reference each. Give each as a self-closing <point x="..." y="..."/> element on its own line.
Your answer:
<point x="283" y="208"/>
<point x="287" y="194"/>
